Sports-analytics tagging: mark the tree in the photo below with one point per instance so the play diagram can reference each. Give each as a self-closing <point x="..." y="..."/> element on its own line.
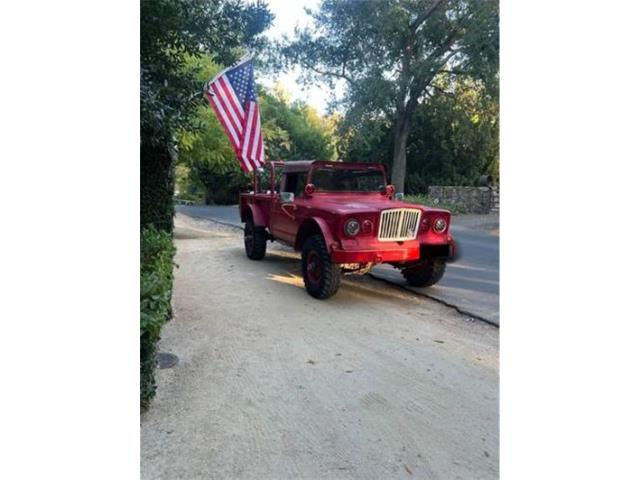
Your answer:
<point x="308" y="135"/>
<point x="388" y="53"/>
<point x="170" y="93"/>
<point x="454" y="137"/>
<point x="290" y="131"/>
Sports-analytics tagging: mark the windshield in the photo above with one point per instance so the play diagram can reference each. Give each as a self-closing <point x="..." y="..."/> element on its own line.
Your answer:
<point x="340" y="179"/>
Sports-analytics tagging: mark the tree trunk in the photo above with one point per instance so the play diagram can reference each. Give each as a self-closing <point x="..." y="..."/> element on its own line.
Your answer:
<point x="400" y="136"/>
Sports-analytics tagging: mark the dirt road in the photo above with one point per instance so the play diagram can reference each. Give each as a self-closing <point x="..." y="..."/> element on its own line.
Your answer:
<point x="374" y="383"/>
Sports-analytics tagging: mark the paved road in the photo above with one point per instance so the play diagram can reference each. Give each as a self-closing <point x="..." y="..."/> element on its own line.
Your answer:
<point x="471" y="284"/>
<point x="377" y="383"/>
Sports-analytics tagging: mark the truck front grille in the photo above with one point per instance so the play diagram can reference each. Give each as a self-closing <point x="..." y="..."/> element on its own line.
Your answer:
<point x="398" y="224"/>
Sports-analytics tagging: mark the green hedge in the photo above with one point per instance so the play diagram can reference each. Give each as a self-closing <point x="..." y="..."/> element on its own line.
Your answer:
<point x="157" y="183"/>
<point x="156" y="280"/>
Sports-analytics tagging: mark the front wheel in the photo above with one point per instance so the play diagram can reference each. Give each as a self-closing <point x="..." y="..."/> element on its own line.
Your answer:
<point x="321" y="277"/>
<point x="426" y="274"/>
<point x="255" y="240"/>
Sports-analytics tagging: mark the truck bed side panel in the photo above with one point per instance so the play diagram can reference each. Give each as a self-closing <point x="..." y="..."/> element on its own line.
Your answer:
<point x="258" y="205"/>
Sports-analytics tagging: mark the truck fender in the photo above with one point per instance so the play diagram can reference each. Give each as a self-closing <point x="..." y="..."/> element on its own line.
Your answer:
<point x="312" y="226"/>
<point x="257" y="213"/>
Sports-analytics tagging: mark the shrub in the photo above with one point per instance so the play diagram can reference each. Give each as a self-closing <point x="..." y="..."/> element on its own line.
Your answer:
<point x="156" y="279"/>
<point x="157" y="180"/>
<point x="417" y="183"/>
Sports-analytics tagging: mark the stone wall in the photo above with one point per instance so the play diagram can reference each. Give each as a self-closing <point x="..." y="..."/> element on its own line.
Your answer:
<point x="471" y="199"/>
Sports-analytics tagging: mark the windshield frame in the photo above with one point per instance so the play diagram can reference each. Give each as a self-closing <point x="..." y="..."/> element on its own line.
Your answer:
<point x="347" y="166"/>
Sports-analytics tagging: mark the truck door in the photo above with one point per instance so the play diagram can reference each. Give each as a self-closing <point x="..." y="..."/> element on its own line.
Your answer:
<point x="284" y="224"/>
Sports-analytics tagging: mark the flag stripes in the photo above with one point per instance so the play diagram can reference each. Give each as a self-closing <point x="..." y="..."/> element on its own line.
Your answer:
<point x="233" y="97"/>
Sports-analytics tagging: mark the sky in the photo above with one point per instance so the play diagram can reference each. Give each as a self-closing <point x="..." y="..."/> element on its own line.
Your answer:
<point x="288" y="14"/>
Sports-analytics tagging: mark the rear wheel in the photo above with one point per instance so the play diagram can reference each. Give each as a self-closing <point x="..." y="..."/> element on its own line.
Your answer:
<point x="255" y="240"/>
<point x="426" y="274"/>
<point x="321" y="277"/>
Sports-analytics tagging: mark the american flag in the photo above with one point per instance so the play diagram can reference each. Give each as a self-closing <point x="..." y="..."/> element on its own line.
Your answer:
<point x="232" y="94"/>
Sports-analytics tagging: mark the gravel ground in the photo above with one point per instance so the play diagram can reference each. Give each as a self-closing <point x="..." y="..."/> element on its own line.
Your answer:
<point x="271" y="383"/>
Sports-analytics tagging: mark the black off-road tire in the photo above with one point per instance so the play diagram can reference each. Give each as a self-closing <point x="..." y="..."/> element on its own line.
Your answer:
<point x="255" y="240"/>
<point x="426" y="274"/>
<point x="321" y="277"/>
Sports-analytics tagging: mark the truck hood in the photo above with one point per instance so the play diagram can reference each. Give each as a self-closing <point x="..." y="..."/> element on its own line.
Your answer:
<point x="347" y="204"/>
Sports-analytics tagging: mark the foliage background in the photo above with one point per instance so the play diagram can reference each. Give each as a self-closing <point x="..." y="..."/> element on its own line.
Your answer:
<point x="454" y="139"/>
<point x="452" y="128"/>
<point x="208" y="169"/>
<point x="393" y="59"/>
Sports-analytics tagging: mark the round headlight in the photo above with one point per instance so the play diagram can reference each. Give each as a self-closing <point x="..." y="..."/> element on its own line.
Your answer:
<point x="352" y="227"/>
<point x="440" y="225"/>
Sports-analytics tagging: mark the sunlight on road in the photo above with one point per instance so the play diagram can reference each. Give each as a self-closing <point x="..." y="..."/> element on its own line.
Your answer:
<point x="289" y="280"/>
<point x="354" y="285"/>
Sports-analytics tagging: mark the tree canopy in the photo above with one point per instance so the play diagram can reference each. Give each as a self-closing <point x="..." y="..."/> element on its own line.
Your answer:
<point x="420" y="78"/>
<point x="390" y="54"/>
<point x="454" y="139"/>
<point x="172" y="31"/>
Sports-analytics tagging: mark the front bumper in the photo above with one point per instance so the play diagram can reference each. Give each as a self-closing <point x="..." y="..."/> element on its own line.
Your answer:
<point x="400" y="252"/>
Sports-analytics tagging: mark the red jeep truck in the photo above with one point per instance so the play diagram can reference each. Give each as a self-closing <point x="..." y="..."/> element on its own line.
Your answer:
<point x="344" y="218"/>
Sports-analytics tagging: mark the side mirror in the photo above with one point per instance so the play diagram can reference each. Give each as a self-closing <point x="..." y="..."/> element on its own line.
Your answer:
<point x="309" y="189"/>
<point x="389" y="191"/>
<point x="286" y="197"/>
